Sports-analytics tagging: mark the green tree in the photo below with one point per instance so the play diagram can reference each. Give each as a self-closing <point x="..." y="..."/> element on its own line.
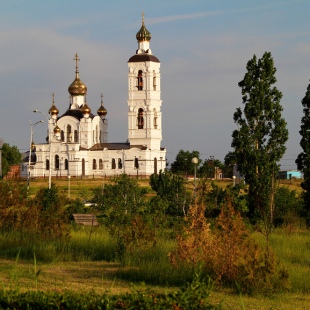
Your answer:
<point x="207" y="169"/>
<point x="259" y="141"/>
<point x="183" y="162"/>
<point x="303" y="159"/>
<point x="229" y="162"/>
<point x="10" y="156"/>
<point x="171" y="190"/>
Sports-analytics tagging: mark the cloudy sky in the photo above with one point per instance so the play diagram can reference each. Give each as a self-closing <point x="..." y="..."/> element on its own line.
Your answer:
<point x="203" y="46"/>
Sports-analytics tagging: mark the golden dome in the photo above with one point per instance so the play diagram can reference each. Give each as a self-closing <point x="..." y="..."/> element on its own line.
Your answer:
<point x="143" y="34"/>
<point x="85" y="109"/>
<point x="53" y="110"/>
<point x="56" y="130"/>
<point x="77" y="88"/>
<point x="102" y="111"/>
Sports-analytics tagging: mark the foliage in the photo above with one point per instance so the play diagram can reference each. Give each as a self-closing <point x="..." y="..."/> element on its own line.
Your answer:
<point x="227" y="253"/>
<point x="259" y="141"/>
<point x="193" y="295"/>
<point x="288" y="206"/>
<point x="10" y="156"/>
<point x="123" y="209"/>
<point x="41" y="218"/>
<point x="303" y="159"/>
<point x="171" y="193"/>
<point x="183" y="162"/>
<point x="229" y="162"/>
<point x="207" y="169"/>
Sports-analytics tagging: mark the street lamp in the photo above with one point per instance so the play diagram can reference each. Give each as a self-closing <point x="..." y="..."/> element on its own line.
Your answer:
<point x="50" y="151"/>
<point x="195" y="162"/>
<point x="69" y="177"/>
<point x="30" y="147"/>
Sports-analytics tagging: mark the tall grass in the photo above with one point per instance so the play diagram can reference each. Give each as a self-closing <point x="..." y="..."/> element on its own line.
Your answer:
<point x="294" y="251"/>
<point x="150" y="265"/>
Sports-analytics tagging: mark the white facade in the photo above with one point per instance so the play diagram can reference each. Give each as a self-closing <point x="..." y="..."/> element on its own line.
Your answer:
<point x="77" y="142"/>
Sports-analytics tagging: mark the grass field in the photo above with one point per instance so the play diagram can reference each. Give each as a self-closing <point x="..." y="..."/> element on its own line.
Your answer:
<point x="87" y="262"/>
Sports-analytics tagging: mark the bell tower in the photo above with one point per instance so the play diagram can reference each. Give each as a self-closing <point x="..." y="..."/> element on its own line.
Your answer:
<point x="144" y="102"/>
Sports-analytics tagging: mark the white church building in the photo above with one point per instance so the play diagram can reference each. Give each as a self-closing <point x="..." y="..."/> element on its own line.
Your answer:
<point x="77" y="142"/>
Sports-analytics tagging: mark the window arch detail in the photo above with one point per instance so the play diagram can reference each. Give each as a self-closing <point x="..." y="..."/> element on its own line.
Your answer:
<point x="140" y="119"/>
<point x="140" y="80"/>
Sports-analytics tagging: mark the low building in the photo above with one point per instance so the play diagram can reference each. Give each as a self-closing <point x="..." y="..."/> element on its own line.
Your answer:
<point x="290" y="174"/>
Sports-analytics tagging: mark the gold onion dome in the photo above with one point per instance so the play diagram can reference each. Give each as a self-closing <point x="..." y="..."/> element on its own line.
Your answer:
<point x="56" y="130"/>
<point x="53" y="110"/>
<point x="102" y="111"/>
<point x="143" y="34"/>
<point x="77" y="88"/>
<point x="85" y="109"/>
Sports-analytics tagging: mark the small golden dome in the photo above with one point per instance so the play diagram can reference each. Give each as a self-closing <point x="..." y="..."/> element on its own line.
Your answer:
<point x="53" y="110"/>
<point x="77" y="88"/>
<point x="143" y="34"/>
<point x="85" y="109"/>
<point x="56" y="130"/>
<point x="102" y="111"/>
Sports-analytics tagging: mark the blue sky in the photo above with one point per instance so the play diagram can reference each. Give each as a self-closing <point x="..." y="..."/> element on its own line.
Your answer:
<point x="203" y="46"/>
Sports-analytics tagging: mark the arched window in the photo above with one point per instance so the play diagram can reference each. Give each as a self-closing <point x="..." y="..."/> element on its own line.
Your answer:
<point x="47" y="165"/>
<point x="76" y="136"/>
<point x="100" y="164"/>
<point x="97" y="134"/>
<point x="140" y="80"/>
<point x="155" y="119"/>
<point x="119" y="164"/>
<point x="136" y="163"/>
<point x="113" y="164"/>
<point x="155" y="165"/>
<point x="69" y="133"/>
<point x="140" y="119"/>
<point x="57" y="162"/>
<point x="94" y="164"/>
<point x="66" y="164"/>
<point x="154" y="80"/>
<point x="62" y="135"/>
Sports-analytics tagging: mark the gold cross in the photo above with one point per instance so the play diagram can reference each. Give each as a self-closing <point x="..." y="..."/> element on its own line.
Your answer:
<point x="76" y="58"/>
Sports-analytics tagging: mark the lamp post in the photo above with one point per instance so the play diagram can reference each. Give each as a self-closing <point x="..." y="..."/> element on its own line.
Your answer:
<point x="195" y="162"/>
<point x="50" y="151"/>
<point x="69" y="177"/>
<point x="234" y="180"/>
<point x="30" y="148"/>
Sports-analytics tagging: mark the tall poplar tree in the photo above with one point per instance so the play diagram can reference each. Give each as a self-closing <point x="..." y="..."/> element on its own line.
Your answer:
<point x="303" y="159"/>
<point x="259" y="141"/>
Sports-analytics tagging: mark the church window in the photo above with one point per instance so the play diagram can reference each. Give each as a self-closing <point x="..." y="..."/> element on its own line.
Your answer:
<point x="100" y="164"/>
<point x="47" y="165"/>
<point x="140" y="119"/>
<point x="57" y="162"/>
<point x="62" y="135"/>
<point x="140" y="80"/>
<point x="94" y="164"/>
<point x="155" y="119"/>
<point x="69" y="133"/>
<point x="66" y="164"/>
<point x="97" y="134"/>
<point x="76" y="136"/>
<point x="155" y="165"/>
<point x="154" y="81"/>
<point x="136" y="163"/>
<point x="119" y="164"/>
<point x="113" y="163"/>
